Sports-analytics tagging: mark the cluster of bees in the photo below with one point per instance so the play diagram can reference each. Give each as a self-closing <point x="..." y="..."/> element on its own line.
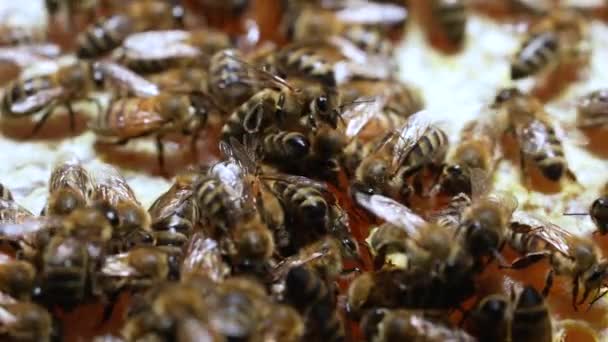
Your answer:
<point x="259" y="246"/>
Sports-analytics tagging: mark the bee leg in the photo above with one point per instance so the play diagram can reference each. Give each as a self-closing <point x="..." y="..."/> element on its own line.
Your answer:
<point x="45" y="115"/>
<point x="598" y="297"/>
<point x="574" y="293"/>
<point x="526" y="260"/>
<point x="160" y="153"/>
<point x="96" y="103"/>
<point x="548" y="283"/>
<point x="72" y="116"/>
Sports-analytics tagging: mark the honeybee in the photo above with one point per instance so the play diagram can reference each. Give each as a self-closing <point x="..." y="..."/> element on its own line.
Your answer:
<point x="592" y="109"/>
<point x="204" y="257"/>
<point x="559" y="37"/>
<point x="132" y="118"/>
<point x="395" y="167"/>
<point x="536" y="135"/>
<point x="108" y="33"/>
<point x="112" y="190"/>
<point x="311" y="210"/>
<point x="314" y="298"/>
<point x="25" y="321"/>
<point x="451" y="17"/>
<point x="139" y="268"/>
<point x="16" y="277"/>
<point x="395" y="325"/>
<point x="525" y="318"/>
<point x="65" y="86"/>
<point x="154" y="51"/>
<point x="477" y="149"/>
<point x="569" y="255"/>
<point x="69" y="187"/>
<point x="174" y="215"/>
<point x="305" y="19"/>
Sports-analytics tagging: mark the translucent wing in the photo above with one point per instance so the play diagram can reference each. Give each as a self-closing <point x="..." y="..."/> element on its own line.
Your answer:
<point x="359" y="114"/>
<point x="372" y="13"/>
<point x="203" y="257"/>
<point x="27" y="55"/>
<point x="69" y="172"/>
<point x="169" y="202"/>
<point x="555" y="236"/>
<point x="159" y="45"/>
<point x="392" y="211"/>
<point x="111" y="186"/>
<point x="37" y="101"/>
<point x="128" y="80"/>
<point x="12" y="212"/>
<point x="409" y="135"/>
<point x="280" y="271"/>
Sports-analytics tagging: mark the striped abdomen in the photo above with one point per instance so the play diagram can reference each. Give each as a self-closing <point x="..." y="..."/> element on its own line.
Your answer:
<point x="524" y="243"/>
<point x="253" y="116"/>
<point x="229" y="79"/>
<point x="431" y="148"/>
<point x="307" y="63"/>
<point x="285" y="146"/>
<point x="19" y="91"/>
<point x="305" y="202"/>
<point x="103" y="36"/>
<point x="546" y="152"/>
<point x="536" y="53"/>
<point x="217" y="207"/>
<point x="451" y="16"/>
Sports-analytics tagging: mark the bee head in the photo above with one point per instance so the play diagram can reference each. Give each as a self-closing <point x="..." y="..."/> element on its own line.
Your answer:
<point x="599" y="214"/>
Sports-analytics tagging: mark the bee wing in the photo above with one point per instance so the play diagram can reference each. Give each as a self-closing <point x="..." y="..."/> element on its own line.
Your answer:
<point x="37" y="101"/>
<point x="552" y="234"/>
<point x="360" y="113"/>
<point x="391" y="211"/>
<point x="128" y="80"/>
<point x="508" y="201"/>
<point x="7" y="318"/>
<point x="12" y="212"/>
<point x="481" y="183"/>
<point x="167" y="203"/>
<point x="410" y="134"/>
<point x="24" y="56"/>
<point x="280" y="271"/>
<point x="372" y="13"/>
<point x="69" y="171"/>
<point x="294" y="179"/>
<point x="111" y="186"/>
<point x="159" y="45"/>
<point x="118" y="266"/>
<point x="260" y="76"/>
<point x="203" y="257"/>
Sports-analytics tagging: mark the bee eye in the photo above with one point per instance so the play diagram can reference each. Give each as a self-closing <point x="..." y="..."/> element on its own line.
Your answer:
<point x="322" y="104"/>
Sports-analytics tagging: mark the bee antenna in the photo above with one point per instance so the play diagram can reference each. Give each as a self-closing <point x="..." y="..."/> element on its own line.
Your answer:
<point x="575" y="214"/>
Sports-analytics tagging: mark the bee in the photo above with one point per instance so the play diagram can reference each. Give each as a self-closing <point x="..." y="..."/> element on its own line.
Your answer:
<point x="569" y="255"/>
<point x="314" y="298"/>
<point x="312" y="210"/>
<point x="557" y="38"/>
<point x="66" y="270"/>
<point x="108" y="33"/>
<point x="536" y="135"/>
<point x="155" y="51"/>
<point x="132" y="117"/>
<point x="139" y="268"/>
<point x="204" y="257"/>
<point x="25" y="321"/>
<point x="69" y="187"/>
<point x="112" y="190"/>
<point x="477" y="150"/>
<point x="525" y="318"/>
<point x="591" y="109"/>
<point x="174" y="215"/>
<point x="285" y="146"/>
<point x="451" y="17"/>
<point x="395" y="325"/>
<point x="303" y="20"/>
<point x="76" y="82"/>
<point x="401" y="156"/>
<point x="16" y="277"/>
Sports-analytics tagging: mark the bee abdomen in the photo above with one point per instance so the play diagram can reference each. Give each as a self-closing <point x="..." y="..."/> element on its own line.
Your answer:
<point x="304" y="289"/>
<point x="283" y="145"/>
<point x="430" y="148"/>
<point x="326" y="322"/>
<point x="103" y="36"/>
<point x="535" y="54"/>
